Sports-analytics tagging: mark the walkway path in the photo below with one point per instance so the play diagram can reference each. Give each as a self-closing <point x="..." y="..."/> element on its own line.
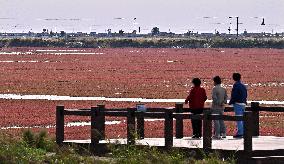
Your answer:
<point x="259" y="143"/>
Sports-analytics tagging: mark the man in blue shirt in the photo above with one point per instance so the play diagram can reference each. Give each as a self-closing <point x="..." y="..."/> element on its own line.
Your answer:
<point x="239" y="101"/>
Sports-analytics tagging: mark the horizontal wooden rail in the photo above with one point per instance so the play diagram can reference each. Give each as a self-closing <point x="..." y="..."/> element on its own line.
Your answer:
<point x="120" y="109"/>
<point x="212" y="117"/>
<point x="271" y="109"/>
<point x="77" y="112"/>
<point x="116" y="113"/>
<point x="187" y="116"/>
<point x="83" y="109"/>
<point x="87" y="111"/>
<point x="154" y="114"/>
<point x="226" y="117"/>
<point x="160" y="109"/>
<point x="248" y="108"/>
<point x="196" y="116"/>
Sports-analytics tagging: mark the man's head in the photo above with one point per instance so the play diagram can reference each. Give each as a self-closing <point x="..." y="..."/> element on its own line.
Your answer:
<point x="217" y="80"/>
<point x="236" y="76"/>
<point x="196" y="82"/>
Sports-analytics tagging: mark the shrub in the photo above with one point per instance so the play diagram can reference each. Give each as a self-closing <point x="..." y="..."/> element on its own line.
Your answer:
<point x="29" y="138"/>
<point x="153" y="42"/>
<point x="38" y="141"/>
<point x="14" y="151"/>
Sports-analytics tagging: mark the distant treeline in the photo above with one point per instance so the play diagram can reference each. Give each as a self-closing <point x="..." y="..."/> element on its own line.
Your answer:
<point x="145" y="43"/>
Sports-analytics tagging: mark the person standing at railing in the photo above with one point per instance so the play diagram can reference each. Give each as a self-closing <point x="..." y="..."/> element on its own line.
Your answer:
<point x="196" y="100"/>
<point x="239" y="101"/>
<point x="219" y="99"/>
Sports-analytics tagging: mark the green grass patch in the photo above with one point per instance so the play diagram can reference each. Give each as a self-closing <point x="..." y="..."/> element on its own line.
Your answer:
<point x="214" y="42"/>
<point x="38" y="148"/>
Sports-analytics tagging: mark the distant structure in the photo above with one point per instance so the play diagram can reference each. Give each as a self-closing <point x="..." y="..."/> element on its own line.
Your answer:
<point x="229" y="29"/>
<point x="237" y="26"/>
<point x="155" y="31"/>
<point x="121" y="32"/>
<point x="262" y="22"/>
<point x="109" y="31"/>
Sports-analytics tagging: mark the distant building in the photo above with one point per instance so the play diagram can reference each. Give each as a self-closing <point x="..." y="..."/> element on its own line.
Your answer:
<point x="207" y="34"/>
<point x="93" y="33"/>
<point x="102" y="34"/>
<point x="62" y="33"/>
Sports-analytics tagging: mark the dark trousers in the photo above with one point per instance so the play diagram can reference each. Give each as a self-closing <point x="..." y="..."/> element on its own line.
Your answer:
<point x="197" y="124"/>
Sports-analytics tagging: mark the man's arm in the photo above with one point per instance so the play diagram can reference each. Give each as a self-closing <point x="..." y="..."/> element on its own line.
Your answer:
<point x="189" y="97"/>
<point x="225" y="96"/>
<point x="234" y="95"/>
<point x="204" y="95"/>
<point x="214" y="96"/>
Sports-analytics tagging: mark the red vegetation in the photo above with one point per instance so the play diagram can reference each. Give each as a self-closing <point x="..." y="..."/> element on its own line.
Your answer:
<point x="147" y="73"/>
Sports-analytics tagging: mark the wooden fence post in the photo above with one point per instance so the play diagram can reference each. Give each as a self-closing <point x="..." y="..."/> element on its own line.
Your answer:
<point x="102" y="120"/>
<point x="168" y="128"/>
<point x="207" y="131"/>
<point x="179" y="121"/>
<point x="95" y="127"/>
<point x="255" y="117"/>
<point x="131" y="126"/>
<point x="248" y="131"/>
<point x="59" y="124"/>
<point x="140" y="125"/>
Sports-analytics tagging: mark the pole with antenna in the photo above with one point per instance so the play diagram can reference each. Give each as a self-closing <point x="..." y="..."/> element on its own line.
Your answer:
<point x="237" y="26"/>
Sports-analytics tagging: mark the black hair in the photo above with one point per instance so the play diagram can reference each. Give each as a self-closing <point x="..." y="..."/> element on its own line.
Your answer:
<point x="217" y="80"/>
<point x="236" y="76"/>
<point x="196" y="81"/>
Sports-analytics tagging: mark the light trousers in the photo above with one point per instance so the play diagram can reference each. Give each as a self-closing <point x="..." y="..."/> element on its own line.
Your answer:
<point x="219" y="125"/>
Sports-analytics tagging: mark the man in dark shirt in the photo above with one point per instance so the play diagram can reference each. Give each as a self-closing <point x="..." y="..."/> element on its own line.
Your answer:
<point x="196" y="100"/>
<point x="239" y="101"/>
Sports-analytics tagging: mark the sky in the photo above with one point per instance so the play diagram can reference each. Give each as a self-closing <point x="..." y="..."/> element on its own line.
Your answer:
<point x="177" y="16"/>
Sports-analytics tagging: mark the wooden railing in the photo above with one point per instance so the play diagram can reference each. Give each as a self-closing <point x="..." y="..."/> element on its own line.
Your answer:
<point x="135" y="122"/>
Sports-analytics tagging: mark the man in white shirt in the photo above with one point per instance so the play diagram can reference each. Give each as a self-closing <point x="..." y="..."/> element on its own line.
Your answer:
<point x="219" y="97"/>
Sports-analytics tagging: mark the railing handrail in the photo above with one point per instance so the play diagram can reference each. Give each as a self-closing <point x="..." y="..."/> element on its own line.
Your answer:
<point x="227" y="109"/>
<point x="99" y="113"/>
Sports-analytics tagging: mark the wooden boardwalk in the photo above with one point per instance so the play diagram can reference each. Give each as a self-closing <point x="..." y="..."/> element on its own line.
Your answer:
<point x="246" y="150"/>
<point x="230" y="143"/>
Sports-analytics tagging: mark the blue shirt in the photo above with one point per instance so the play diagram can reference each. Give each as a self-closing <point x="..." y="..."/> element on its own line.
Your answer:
<point x="239" y="93"/>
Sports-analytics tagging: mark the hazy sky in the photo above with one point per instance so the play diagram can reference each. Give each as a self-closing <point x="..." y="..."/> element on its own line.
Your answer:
<point x="175" y="15"/>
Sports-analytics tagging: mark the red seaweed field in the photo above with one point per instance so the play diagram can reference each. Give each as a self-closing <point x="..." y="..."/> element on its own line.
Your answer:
<point x="129" y="73"/>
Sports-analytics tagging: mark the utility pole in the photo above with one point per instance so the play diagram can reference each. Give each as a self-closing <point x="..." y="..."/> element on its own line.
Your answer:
<point x="237" y="26"/>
